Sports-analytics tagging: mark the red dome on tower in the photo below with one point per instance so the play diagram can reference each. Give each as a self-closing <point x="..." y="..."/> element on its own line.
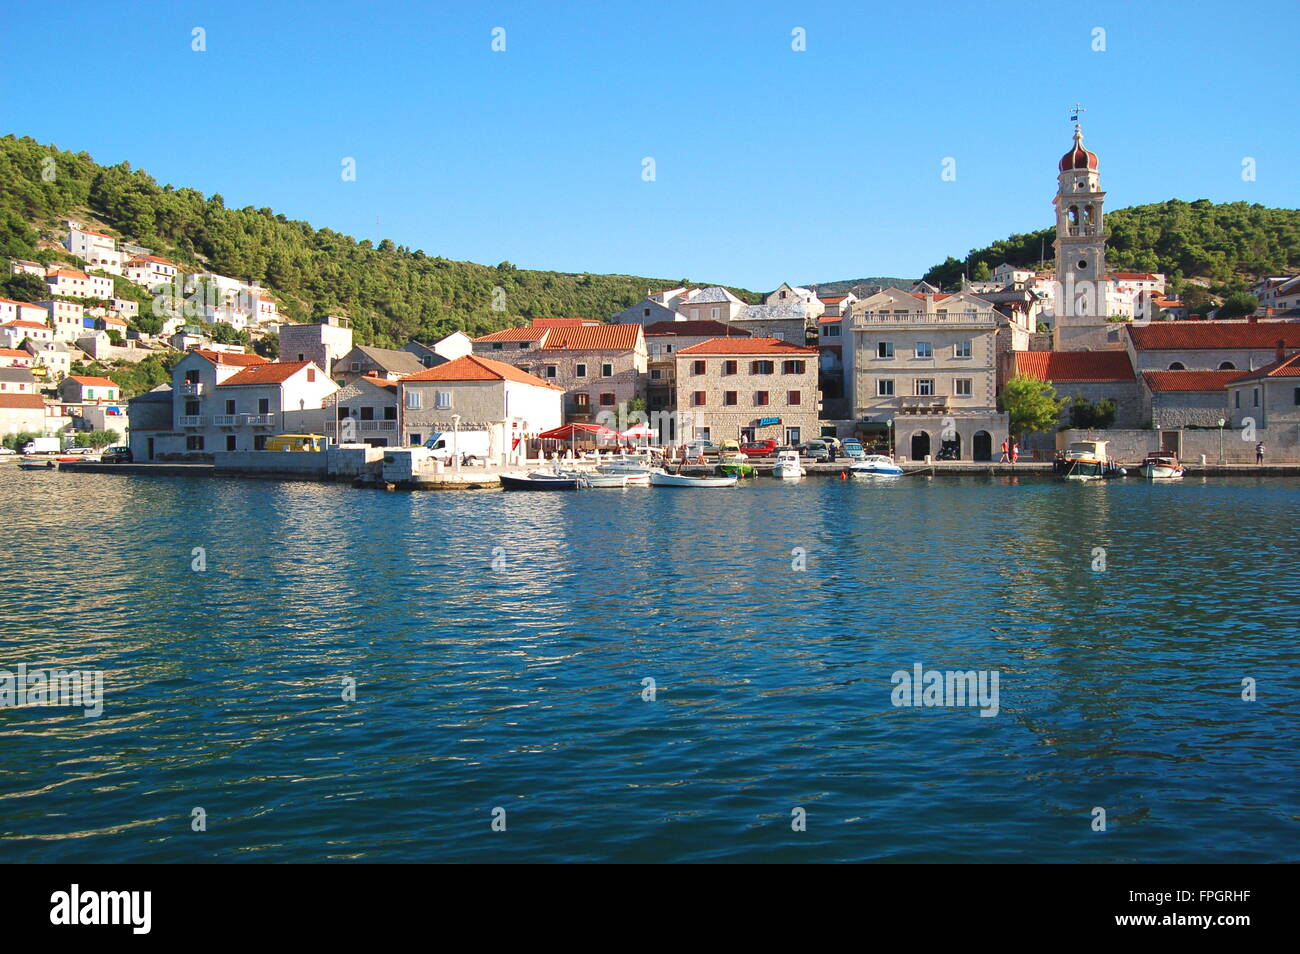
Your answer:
<point x="1078" y="157"/>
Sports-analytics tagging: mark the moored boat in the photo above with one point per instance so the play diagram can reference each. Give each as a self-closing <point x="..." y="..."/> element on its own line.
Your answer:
<point x="734" y="464"/>
<point x="1084" y="460"/>
<point x="604" y="480"/>
<point x="788" y="466"/>
<point x="36" y="463"/>
<point x="635" y="471"/>
<point x="1161" y="466"/>
<point x="663" y="479"/>
<point x="539" y="480"/>
<point x="875" y="465"/>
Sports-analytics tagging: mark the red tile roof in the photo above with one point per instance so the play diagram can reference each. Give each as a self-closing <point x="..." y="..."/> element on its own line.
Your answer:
<point x="1214" y="335"/>
<point x="832" y="299"/>
<point x="1288" y="367"/>
<point x="830" y="319"/>
<point x="1188" y="380"/>
<point x="472" y="367"/>
<point x="705" y="327"/>
<point x="1074" y="365"/>
<point x="271" y="372"/>
<point x="153" y="259"/>
<point x="774" y="346"/>
<point x="25" y="324"/>
<point x="13" y="353"/>
<point x="937" y="296"/>
<point x="64" y="273"/>
<point x="600" y="337"/>
<point x="25" y="304"/>
<point x="1134" y="276"/>
<point x="93" y="381"/>
<point x="562" y="322"/>
<point x="9" y="399"/>
<point x="234" y="359"/>
<point x="515" y="334"/>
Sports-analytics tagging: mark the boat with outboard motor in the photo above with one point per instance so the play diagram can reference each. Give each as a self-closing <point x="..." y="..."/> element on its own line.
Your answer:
<point x="875" y="465"/>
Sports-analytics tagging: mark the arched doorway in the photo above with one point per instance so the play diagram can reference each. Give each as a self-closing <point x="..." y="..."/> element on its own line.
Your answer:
<point x="982" y="445"/>
<point x="920" y="445"/>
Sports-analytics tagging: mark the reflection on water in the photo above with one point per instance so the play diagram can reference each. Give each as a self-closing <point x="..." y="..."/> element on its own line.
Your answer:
<point x="499" y="643"/>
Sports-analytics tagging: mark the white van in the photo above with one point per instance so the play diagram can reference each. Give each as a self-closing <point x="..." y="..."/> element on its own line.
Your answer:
<point x="472" y="446"/>
<point x="42" y="445"/>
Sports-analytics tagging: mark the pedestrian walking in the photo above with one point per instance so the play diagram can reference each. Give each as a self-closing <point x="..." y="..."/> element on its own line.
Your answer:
<point x="1015" y="453"/>
<point x="1004" y="457"/>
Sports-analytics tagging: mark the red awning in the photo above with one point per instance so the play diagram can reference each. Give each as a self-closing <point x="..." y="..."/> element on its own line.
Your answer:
<point x="568" y="432"/>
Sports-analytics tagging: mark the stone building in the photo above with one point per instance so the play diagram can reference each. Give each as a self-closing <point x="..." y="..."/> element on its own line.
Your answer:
<point x="926" y="372"/>
<point x="322" y="342"/>
<point x="601" y="367"/>
<point x="475" y="393"/>
<point x="745" y="389"/>
<point x="663" y="340"/>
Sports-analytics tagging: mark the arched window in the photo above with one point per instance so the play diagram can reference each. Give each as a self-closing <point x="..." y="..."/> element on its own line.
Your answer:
<point x="1227" y="366"/>
<point x="1177" y="366"/>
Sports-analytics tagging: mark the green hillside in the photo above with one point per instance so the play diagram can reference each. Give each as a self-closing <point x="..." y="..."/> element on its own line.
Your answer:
<point x="1227" y="244"/>
<point x="860" y="285"/>
<point x="392" y="293"/>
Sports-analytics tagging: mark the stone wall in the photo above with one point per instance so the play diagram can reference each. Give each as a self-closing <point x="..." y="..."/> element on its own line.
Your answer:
<point x="311" y="465"/>
<point x="1282" y="445"/>
<point x="1175" y="409"/>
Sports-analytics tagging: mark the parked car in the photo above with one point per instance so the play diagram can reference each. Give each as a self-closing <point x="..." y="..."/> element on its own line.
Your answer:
<point x="853" y="449"/>
<point x="701" y="449"/>
<point x="759" y="448"/>
<point x="117" y="454"/>
<point x="817" y="450"/>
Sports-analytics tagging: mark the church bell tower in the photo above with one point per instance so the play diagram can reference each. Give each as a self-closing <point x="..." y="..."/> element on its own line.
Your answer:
<point x="1080" y="245"/>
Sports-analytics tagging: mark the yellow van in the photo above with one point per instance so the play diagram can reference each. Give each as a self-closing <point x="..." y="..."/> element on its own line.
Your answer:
<point x="296" y="442"/>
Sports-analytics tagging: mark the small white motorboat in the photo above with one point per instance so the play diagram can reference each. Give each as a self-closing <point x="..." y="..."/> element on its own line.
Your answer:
<point x="1161" y="466"/>
<point x="663" y="479"/>
<point x="604" y="480"/>
<point x="875" y="465"/>
<point x="788" y="466"/>
<point x="635" y="471"/>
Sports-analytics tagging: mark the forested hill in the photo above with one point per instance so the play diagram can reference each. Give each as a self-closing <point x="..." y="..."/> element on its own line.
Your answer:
<point x="1228" y="244"/>
<point x="391" y="292"/>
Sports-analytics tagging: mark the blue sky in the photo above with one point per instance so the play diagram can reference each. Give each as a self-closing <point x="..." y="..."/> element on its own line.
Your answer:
<point x="771" y="165"/>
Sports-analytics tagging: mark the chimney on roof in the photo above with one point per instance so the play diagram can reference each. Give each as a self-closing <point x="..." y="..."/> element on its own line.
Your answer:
<point x="1281" y="349"/>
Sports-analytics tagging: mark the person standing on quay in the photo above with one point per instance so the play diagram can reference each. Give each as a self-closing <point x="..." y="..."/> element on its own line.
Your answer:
<point x="1004" y="453"/>
<point x="1015" y="453"/>
<point x="1259" y="453"/>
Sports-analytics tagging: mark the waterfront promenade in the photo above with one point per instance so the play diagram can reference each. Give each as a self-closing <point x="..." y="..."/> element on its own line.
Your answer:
<point x="479" y="477"/>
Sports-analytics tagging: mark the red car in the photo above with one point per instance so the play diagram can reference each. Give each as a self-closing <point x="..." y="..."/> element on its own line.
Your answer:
<point x="759" y="448"/>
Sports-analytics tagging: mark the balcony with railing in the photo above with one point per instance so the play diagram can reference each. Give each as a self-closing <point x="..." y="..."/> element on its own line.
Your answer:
<point x="258" y="420"/>
<point x="190" y="420"/>
<point x="225" y="420"/>
<point x="192" y="389"/>
<point x="879" y="319"/>
<point x="925" y="404"/>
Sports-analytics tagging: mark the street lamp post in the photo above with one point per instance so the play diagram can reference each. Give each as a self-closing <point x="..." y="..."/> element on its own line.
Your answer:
<point x="455" y="440"/>
<point x="1221" y="423"/>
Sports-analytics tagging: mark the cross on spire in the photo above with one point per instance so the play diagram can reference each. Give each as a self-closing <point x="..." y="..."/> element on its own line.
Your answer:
<point x="1075" y="110"/>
